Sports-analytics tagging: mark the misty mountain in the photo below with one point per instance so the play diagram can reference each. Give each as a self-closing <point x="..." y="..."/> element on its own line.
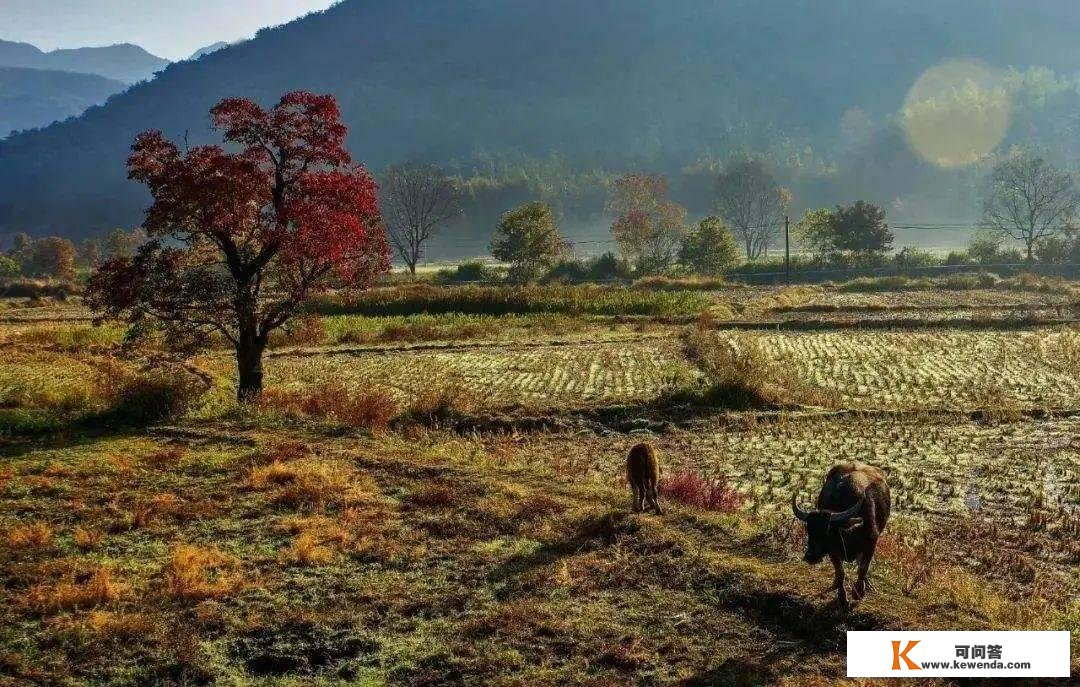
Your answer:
<point x="497" y="89"/>
<point x="35" y="97"/>
<point x="124" y="62"/>
<point x="213" y="47"/>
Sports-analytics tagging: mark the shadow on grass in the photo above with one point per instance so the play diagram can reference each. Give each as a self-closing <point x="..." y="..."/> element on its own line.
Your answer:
<point x="593" y="533"/>
<point x="23" y="431"/>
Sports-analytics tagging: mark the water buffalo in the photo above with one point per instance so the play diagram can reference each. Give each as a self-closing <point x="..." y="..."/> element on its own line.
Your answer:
<point x="643" y="473"/>
<point x="852" y="509"/>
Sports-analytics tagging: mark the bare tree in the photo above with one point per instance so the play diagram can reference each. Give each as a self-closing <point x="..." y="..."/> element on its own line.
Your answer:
<point x="751" y="201"/>
<point x="418" y="199"/>
<point x="1030" y="200"/>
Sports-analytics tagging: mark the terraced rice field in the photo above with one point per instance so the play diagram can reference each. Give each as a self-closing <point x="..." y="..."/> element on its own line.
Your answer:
<point x="937" y="369"/>
<point x="537" y="377"/>
<point x="899" y="317"/>
<point x="935" y="298"/>
<point x="914" y="370"/>
<point x="44" y="379"/>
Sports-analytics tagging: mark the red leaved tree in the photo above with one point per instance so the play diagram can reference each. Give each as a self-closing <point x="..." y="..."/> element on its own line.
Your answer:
<point x="648" y="225"/>
<point x="241" y="238"/>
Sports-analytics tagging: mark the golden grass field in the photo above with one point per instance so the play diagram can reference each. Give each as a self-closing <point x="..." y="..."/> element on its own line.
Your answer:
<point x="438" y="499"/>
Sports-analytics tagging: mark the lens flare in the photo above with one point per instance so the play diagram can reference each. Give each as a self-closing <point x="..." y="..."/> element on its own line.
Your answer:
<point x="957" y="113"/>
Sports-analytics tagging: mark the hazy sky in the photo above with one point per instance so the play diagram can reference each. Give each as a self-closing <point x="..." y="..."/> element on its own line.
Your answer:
<point x="170" y="28"/>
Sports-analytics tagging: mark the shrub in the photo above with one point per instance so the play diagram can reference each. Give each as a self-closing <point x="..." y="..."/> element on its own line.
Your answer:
<point x="961" y="257"/>
<point x="693" y="489"/>
<point x="1058" y="250"/>
<point x="608" y="267"/>
<point x="473" y="271"/>
<point x="36" y="288"/>
<point x="605" y="268"/>
<point x="145" y="397"/>
<point x="909" y="257"/>
<point x="9" y="268"/>
<point x="739" y="374"/>
<point x="710" y="248"/>
<point x="985" y="246"/>
<point x="567" y="271"/>
<point x="337" y="403"/>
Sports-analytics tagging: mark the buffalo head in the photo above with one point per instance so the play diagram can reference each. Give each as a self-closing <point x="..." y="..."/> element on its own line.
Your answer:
<point x="824" y="529"/>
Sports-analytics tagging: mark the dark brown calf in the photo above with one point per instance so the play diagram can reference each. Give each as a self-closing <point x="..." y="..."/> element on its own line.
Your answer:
<point x="643" y="473"/>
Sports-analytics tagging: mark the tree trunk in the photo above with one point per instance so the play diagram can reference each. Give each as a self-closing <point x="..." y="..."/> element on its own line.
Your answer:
<point x="249" y="351"/>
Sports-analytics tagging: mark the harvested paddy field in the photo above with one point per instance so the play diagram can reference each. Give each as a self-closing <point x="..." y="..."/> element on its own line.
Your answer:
<point x="928" y="370"/>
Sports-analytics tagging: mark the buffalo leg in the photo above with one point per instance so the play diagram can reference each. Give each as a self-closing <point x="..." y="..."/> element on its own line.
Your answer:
<point x="862" y="583"/>
<point x="639" y="497"/>
<point x="838" y="579"/>
<point x="654" y="498"/>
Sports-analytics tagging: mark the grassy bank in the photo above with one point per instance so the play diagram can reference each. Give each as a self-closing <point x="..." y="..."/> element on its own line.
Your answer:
<point x="427" y="561"/>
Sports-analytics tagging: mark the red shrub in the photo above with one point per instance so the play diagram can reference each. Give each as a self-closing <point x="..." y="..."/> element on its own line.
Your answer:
<point x="701" y="492"/>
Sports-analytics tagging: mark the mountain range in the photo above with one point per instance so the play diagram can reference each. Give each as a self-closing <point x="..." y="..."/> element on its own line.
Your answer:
<point x="38" y="88"/>
<point x="127" y="63"/>
<point x="488" y="88"/>
<point x="32" y="97"/>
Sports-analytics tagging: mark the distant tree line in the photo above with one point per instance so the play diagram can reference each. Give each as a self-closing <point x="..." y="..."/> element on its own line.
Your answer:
<point x="56" y="257"/>
<point x="1026" y="200"/>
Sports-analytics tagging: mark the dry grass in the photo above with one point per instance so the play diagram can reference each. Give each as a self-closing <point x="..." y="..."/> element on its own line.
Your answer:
<point x="74" y="592"/>
<point x="306" y="549"/>
<point x="35" y="536"/>
<point x="434" y="495"/>
<point x="196" y="572"/>
<point x="306" y="330"/>
<point x="445" y="397"/>
<point x="167" y="457"/>
<point x="86" y="538"/>
<point x="119" y="626"/>
<point x="309" y="484"/>
<point x="284" y="452"/>
<point x="995" y="404"/>
<point x="372" y="409"/>
<point x="157" y="506"/>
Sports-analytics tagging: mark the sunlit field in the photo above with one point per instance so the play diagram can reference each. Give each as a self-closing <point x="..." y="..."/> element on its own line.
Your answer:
<point x="421" y="496"/>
